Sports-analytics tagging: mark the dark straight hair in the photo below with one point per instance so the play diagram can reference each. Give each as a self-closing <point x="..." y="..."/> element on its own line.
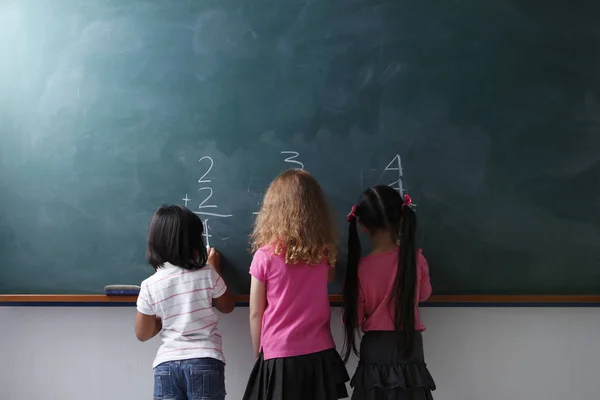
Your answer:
<point x="382" y="208"/>
<point x="175" y="237"/>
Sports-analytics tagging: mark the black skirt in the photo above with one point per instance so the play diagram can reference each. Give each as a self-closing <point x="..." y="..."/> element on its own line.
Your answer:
<point x="317" y="376"/>
<point x="384" y="373"/>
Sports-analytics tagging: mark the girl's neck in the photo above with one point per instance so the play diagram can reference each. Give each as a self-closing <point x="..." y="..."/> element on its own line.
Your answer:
<point x="382" y="242"/>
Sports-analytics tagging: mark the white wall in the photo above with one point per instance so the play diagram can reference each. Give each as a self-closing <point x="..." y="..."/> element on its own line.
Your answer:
<point x="474" y="354"/>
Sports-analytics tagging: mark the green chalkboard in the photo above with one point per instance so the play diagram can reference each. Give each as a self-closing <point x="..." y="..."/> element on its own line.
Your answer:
<point x="487" y="112"/>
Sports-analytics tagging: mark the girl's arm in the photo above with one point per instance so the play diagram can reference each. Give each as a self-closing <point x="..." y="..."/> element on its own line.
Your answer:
<point x="225" y="303"/>
<point x="223" y="299"/>
<point x="331" y="274"/>
<point x="147" y="326"/>
<point x="360" y="307"/>
<point x="258" y="303"/>
<point x="147" y="323"/>
<point x="425" y="288"/>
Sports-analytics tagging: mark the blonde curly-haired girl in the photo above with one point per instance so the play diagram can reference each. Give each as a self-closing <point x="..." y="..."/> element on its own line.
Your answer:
<point x="294" y="255"/>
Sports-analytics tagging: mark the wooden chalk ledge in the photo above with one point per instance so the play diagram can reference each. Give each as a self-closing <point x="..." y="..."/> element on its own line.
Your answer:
<point x="100" y="299"/>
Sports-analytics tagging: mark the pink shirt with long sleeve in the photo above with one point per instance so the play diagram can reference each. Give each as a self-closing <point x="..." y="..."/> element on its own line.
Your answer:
<point x="376" y="275"/>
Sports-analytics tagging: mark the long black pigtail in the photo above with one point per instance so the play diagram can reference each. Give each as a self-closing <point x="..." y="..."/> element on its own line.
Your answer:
<point x="350" y="291"/>
<point x="406" y="277"/>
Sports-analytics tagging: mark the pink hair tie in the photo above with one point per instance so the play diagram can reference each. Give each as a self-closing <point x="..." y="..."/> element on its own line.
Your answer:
<point x="407" y="201"/>
<point x="352" y="214"/>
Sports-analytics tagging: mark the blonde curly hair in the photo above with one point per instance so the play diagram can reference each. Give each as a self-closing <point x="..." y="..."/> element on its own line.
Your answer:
<point x="295" y="218"/>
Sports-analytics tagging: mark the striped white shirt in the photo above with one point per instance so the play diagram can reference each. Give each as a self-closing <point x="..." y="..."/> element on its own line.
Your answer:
<point x="183" y="301"/>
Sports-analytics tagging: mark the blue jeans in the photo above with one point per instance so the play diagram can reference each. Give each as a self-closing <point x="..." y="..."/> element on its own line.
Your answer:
<point x="195" y="379"/>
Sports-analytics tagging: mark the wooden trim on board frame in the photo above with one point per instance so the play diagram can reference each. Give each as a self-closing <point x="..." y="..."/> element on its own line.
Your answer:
<point x="436" y="300"/>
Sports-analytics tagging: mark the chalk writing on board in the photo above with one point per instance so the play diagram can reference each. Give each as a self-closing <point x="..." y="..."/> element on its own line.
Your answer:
<point x="206" y="204"/>
<point x="206" y="233"/>
<point x="210" y="167"/>
<point x="208" y="192"/>
<point x="292" y="159"/>
<point x="186" y="200"/>
<point x="396" y="165"/>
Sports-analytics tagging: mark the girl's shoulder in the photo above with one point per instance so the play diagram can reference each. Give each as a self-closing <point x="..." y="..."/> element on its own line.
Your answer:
<point x="267" y="251"/>
<point x="264" y="256"/>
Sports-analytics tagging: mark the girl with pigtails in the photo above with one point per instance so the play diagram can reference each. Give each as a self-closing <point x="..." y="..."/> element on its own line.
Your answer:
<point x="382" y="292"/>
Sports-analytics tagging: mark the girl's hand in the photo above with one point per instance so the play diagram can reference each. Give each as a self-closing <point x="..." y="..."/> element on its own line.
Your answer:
<point x="214" y="259"/>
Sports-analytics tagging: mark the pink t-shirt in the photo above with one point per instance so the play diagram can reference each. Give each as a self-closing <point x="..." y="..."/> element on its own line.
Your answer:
<point x="376" y="275"/>
<point x="297" y="318"/>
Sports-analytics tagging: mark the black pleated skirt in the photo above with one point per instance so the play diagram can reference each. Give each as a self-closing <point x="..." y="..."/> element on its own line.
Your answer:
<point x="384" y="373"/>
<point x="317" y="376"/>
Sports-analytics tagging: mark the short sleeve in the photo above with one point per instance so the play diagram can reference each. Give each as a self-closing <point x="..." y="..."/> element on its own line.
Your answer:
<point x="218" y="284"/>
<point x="258" y="268"/>
<point x="425" y="288"/>
<point x="143" y="301"/>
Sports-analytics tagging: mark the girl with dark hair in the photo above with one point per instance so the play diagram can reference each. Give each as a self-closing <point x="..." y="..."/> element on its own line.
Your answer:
<point x="381" y="295"/>
<point x="177" y="302"/>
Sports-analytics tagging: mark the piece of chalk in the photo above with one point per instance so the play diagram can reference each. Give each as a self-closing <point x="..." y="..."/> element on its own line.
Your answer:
<point x="121" y="290"/>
